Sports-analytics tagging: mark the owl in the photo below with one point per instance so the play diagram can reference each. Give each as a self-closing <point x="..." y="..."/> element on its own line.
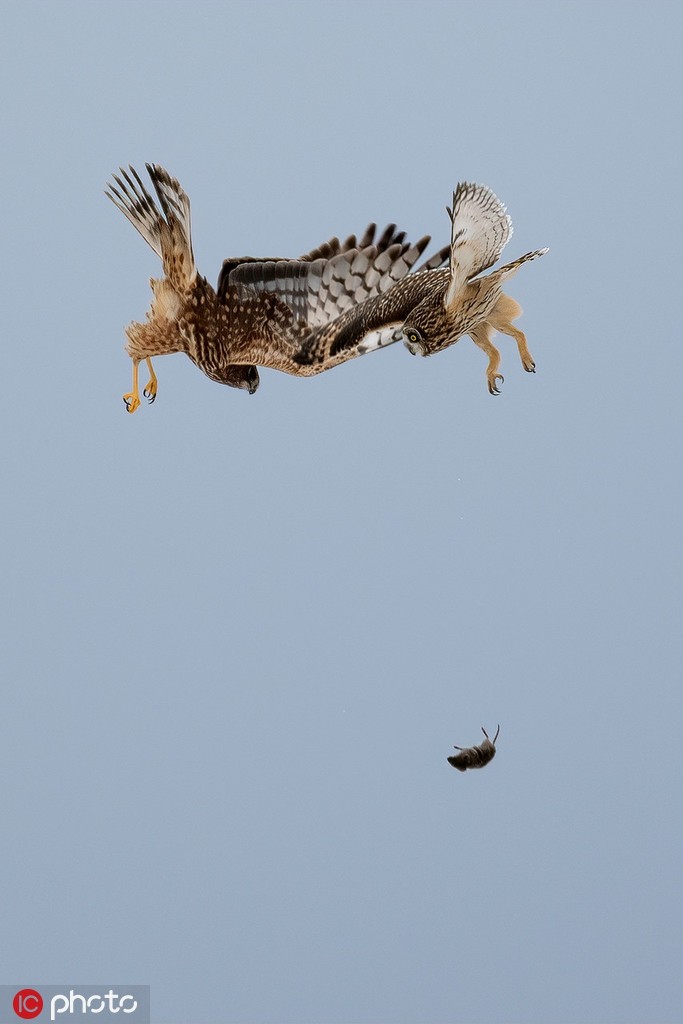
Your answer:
<point x="433" y="310"/>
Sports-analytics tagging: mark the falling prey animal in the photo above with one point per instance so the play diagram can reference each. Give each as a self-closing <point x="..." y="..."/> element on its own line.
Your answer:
<point x="475" y="757"/>
<point x="434" y="310"/>
<point x="263" y="310"/>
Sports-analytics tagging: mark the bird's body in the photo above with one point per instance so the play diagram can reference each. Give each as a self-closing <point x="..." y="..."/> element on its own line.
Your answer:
<point x="471" y="303"/>
<point x="263" y="310"/>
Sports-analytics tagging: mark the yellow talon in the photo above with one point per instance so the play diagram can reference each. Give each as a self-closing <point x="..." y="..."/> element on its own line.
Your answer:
<point x="150" y="391"/>
<point x="132" y="399"/>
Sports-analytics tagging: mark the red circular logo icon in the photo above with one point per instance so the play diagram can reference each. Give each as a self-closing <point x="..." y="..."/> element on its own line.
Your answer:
<point x="28" y="1003"/>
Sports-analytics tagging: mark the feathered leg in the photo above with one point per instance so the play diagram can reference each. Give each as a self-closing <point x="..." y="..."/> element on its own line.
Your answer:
<point x="504" y="312"/>
<point x="481" y="336"/>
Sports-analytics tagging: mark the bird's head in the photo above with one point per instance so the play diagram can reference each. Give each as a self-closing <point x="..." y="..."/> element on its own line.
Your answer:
<point x="245" y="378"/>
<point x="428" y="328"/>
<point x="251" y="380"/>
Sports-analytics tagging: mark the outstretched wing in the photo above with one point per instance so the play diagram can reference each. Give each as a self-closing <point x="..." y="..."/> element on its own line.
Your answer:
<point x="319" y="292"/>
<point x="326" y="250"/>
<point x="480" y="230"/>
<point x="373" y="324"/>
<point x="509" y="269"/>
<point x="390" y="236"/>
<point x="292" y="280"/>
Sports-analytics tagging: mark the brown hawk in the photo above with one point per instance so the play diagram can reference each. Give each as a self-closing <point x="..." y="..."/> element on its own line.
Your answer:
<point x="435" y="309"/>
<point x="263" y="309"/>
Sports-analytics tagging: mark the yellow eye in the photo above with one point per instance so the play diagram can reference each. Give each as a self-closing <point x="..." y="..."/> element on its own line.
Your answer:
<point x="412" y="336"/>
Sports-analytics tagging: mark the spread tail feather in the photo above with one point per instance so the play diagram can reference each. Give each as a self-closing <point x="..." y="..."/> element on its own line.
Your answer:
<point x="167" y="232"/>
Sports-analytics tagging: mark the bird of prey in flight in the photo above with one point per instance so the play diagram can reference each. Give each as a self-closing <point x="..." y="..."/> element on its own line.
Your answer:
<point x="433" y="310"/>
<point x="264" y="312"/>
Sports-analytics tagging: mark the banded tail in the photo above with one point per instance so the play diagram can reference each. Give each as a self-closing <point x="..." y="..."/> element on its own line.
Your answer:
<point x="168" y="231"/>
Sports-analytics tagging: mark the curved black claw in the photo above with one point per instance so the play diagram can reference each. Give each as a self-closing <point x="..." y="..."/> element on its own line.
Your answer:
<point x="493" y="387"/>
<point x="131" y="401"/>
<point x="150" y="396"/>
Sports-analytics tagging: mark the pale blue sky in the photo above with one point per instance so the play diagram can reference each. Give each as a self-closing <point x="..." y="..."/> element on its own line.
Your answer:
<point x="243" y="634"/>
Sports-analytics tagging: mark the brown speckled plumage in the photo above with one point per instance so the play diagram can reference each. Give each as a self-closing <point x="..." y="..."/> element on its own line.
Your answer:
<point x="263" y="310"/>
<point x="433" y="310"/>
<point x="473" y="304"/>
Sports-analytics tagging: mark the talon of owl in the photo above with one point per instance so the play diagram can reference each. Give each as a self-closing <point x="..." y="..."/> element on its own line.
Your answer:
<point x="493" y="388"/>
